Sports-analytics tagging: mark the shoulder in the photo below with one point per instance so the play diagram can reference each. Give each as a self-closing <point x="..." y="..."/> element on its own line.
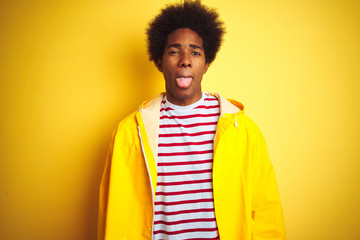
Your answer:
<point x="128" y="127"/>
<point x="249" y="129"/>
<point x="128" y="121"/>
<point x="147" y="107"/>
<point x="126" y="130"/>
<point x="245" y="121"/>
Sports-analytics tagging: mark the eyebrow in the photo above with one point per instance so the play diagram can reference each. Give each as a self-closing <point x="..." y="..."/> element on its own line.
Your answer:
<point x="177" y="45"/>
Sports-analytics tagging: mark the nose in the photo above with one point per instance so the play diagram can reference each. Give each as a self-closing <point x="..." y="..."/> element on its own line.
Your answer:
<point x="185" y="61"/>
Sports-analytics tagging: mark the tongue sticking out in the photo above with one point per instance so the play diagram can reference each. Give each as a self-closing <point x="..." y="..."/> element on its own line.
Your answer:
<point x="184" y="82"/>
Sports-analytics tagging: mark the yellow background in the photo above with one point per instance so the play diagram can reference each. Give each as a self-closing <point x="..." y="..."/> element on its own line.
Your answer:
<point x="70" y="70"/>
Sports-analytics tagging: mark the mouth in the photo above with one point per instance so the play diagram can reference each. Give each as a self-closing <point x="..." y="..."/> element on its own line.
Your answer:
<point x="184" y="81"/>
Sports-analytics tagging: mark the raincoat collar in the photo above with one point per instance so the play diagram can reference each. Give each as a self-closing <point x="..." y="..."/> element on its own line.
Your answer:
<point x="149" y="112"/>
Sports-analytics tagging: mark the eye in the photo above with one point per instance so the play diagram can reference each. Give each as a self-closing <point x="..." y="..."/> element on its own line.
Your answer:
<point x="173" y="52"/>
<point x="195" y="53"/>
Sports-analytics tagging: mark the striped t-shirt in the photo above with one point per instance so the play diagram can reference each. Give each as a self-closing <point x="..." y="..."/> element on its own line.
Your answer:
<point x="184" y="204"/>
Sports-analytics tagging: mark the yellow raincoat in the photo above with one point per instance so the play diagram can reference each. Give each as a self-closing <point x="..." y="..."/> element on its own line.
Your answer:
<point x="246" y="197"/>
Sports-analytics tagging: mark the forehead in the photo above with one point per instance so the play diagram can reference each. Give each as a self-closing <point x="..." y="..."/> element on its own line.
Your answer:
<point x="184" y="36"/>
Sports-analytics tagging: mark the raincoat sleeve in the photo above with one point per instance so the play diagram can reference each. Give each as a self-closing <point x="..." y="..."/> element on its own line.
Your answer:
<point x="104" y="191"/>
<point x="267" y="213"/>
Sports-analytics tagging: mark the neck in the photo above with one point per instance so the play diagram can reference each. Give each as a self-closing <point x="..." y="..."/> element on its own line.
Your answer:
<point x="186" y="101"/>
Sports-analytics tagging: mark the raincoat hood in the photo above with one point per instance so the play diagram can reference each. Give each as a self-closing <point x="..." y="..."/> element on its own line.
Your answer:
<point x="150" y="114"/>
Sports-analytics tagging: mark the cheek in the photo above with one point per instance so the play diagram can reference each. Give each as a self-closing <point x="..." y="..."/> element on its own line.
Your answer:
<point x="167" y="75"/>
<point x="168" y="78"/>
<point x="200" y="71"/>
<point x="167" y="70"/>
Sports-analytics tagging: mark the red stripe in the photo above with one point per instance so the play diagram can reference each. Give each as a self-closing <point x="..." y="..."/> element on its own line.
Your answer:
<point x="184" y="182"/>
<point x="186" y="231"/>
<point x="183" y="192"/>
<point x="184" y="173"/>
<point x="184" y="153"/>
<point x="185" y="202"/>
<point x="186" y="221"/>
<point x="211" y="99"/>
<point x="198" y="107"/>
<point x="187" y="125"/>
<point x="191" y="116"/>
<point x="215" y="238"/>
<point x="207" y="107"/>
<point x="185" y="163"/>
<point x="185" y="211"/>
<point x="186" y="134"/>
<point x="166" y="109"/>
<point x="185" y="143"/>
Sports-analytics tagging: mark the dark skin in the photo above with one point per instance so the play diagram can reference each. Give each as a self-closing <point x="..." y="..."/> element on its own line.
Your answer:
<point x="183" y="65"/>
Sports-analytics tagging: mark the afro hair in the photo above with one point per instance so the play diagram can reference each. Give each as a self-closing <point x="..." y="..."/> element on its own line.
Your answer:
<point x="190" y="14"/>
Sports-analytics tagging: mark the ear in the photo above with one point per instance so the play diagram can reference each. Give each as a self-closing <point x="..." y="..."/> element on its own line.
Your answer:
<point x="206" y="67"/>
<point x="159" y="64"/>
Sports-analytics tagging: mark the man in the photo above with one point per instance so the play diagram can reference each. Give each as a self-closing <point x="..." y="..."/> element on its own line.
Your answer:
<point x="188" y="164"/>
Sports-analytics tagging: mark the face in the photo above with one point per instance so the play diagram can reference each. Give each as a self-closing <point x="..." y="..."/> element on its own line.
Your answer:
<point x="183" y="66"/>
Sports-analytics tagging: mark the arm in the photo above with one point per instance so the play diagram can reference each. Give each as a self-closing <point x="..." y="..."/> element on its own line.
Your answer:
<point x="267" y="212"/>
<point x="104" y="190"/>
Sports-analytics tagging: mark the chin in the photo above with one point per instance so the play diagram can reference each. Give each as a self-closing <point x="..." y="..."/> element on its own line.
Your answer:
<point x="184" y="93"/>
